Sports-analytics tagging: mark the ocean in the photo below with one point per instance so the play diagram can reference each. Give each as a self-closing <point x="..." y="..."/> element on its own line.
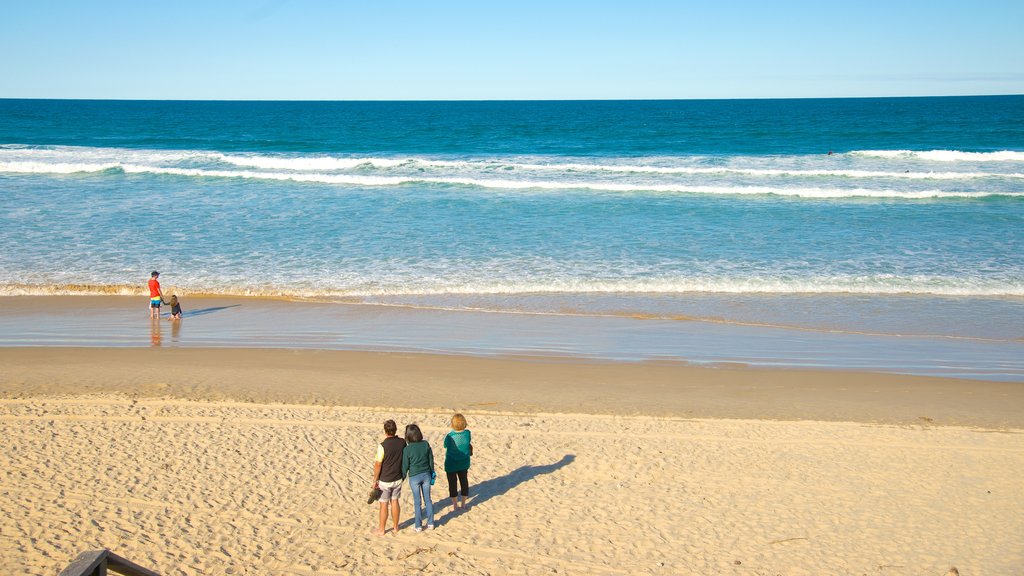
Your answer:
<point x="881" y="218"/>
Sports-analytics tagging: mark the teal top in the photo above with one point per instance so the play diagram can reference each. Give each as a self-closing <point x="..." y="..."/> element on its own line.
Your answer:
<point x="456" y="451"/>
<point x="417" y="458"/>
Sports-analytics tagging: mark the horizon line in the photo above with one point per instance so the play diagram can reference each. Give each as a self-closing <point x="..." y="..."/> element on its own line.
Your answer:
<point x="449" y="100"/>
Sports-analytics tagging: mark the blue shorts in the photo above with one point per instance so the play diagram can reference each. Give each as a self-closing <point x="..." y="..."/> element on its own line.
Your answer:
<point x="154" y="302"/>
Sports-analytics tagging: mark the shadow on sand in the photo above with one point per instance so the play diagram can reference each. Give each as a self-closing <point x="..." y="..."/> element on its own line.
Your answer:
<point x="204" y="311"/>
<point x="495" y="487"/>
<point x="487" y="489"/>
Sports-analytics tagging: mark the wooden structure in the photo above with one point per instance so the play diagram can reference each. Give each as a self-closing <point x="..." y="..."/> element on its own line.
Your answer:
<point x="98" y="562"/>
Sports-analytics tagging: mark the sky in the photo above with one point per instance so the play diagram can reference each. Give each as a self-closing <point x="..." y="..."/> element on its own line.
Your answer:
<point x="526" y="49"/>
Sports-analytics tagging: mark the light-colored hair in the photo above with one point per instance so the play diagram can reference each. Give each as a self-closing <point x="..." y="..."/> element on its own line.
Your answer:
<point x="458" y="422"/>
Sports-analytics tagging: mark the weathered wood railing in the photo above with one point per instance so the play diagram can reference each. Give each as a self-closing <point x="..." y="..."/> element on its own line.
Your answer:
<point x="97" y="562"/>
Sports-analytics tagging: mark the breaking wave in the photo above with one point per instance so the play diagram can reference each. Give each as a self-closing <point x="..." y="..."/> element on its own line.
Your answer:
<point x="803" y="177"/>
<point x="945" y="155"/>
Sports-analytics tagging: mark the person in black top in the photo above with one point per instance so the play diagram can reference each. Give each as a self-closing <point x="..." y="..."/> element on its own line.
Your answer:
<point x="387" y="476"/>
<point x="175" y="308"/>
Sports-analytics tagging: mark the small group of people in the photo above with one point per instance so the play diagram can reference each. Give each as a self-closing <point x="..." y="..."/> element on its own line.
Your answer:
<point x="156" y="298"/>
<point x="412" y="458"/>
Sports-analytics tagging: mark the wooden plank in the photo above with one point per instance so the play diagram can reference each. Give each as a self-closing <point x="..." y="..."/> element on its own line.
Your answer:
<point x="126" y="567"/>
<point x="97" y="562"/>
<point x="91" y="563"/>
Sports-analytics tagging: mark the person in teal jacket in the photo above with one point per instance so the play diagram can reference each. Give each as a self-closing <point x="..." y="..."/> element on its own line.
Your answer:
<point x="418" y="467"/>
<point x="458" y="448"/>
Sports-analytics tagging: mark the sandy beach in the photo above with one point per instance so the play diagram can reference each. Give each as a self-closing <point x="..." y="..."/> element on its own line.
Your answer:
<point x="193" y="461"/>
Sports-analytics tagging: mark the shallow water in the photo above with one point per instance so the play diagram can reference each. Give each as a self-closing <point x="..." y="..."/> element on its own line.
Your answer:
<point x="257" y="323"/>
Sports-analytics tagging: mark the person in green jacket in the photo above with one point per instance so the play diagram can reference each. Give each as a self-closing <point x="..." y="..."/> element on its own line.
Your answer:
<point x="458" y="448"/>
<point x="418" y="467"/>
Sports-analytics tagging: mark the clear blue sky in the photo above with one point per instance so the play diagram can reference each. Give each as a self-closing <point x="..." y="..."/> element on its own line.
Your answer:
<point x="401" y="50"/>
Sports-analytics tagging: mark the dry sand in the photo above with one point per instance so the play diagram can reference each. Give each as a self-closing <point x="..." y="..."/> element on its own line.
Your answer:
<point x="217" y="462"/>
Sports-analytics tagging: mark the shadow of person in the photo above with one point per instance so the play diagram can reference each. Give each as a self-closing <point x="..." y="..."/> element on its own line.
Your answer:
<point x="495" y="487"/>
<point x="204" y="311"/>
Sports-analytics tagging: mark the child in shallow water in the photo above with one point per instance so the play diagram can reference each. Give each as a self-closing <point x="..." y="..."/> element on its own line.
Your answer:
<point x="175" y="308"/>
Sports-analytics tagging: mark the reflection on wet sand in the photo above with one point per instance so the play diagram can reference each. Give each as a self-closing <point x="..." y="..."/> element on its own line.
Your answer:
<point x="154" y="332"/>
<point x="266" y="323"/>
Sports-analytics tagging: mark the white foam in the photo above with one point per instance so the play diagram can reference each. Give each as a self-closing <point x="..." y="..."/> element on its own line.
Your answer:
<point x="16" y="158"/>
<point x="303" y="163"/>
<point x="306" y="163"/>
<point x="945" y="155"/>
<point x="503" y="184"/>
<point x="643" y="169"/>
<point x="880" y="285"/>
<point x="55" y="167"/>
<point x="72" y="154"/>
<point x="285" y="176"/>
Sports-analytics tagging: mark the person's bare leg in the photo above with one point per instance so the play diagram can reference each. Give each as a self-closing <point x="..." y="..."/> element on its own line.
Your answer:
<point x="396" y="509"/>
<point x="455" y="503"/>
<point x="383" y="518"/>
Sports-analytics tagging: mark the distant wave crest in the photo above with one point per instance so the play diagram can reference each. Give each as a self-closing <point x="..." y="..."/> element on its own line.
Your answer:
<point x="945" y="155"/>
<point x="504" y="184"/>
<point x="305" y="163"/>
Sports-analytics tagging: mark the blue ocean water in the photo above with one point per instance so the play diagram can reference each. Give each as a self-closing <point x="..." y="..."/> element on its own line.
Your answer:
<point x="889" y="215"/>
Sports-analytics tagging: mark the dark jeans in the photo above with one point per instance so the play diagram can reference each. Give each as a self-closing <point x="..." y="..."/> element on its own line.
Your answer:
<point x="462" y="475"/>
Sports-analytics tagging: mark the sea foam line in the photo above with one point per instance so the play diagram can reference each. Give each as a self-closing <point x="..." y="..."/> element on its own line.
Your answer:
<point x="304" y="163"/>
<point x="503" y="184"/>
<point x="34" y="159"/>
<point x="885" y="285"/>
<point x="945" y="155"/>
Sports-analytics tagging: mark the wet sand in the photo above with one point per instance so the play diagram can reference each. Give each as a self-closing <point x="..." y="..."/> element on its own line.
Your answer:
<point x="402" y="380"/>
<point x="122" y="321"/>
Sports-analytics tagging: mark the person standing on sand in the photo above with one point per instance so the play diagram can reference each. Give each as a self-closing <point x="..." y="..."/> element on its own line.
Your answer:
<point x="458" y="448"/>
<point x="418" y="465"/>
<point x="387" y="476"/>
<point x="156" y="297"/>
